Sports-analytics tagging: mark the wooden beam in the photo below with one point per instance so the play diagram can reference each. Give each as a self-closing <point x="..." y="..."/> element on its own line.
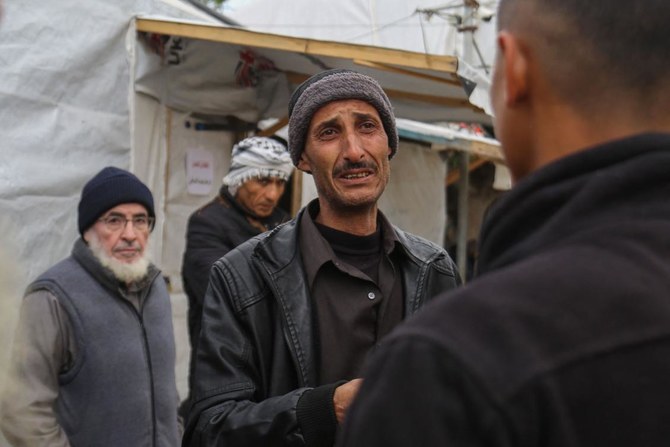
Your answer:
<point x="217" y="33"/>
<point x="455" y="175"/>
<point x="482" y="149"/>
<point x="432" y="99"/>
<point x="297" y="78"/>
<point x="493" y="153"/>
<point x="274" y="128"/>
<point x="405" y="72"/>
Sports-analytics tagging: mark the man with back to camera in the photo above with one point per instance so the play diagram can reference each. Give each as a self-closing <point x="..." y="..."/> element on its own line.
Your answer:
<point x="290" y="315"/>
<point x="93" y="362"/>
<point x="564" y="337"/>
<point x="245" y="207"/>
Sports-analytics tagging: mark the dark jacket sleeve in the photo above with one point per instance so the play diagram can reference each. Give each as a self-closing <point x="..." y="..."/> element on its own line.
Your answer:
<point x="44" y="344"/>
<point x="232" y="402"/>
<point x="416" y="394"/>
<point x="427" y="270"/>
<point x="444" y="275"/>
<point x="212" y="232"/>
<point x="206" y="242"/>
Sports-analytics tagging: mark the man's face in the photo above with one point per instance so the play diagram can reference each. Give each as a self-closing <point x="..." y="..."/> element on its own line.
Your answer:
<point x="347" y="152"/>
<point x="260" y="196"/>
<point x="126" y="244"/>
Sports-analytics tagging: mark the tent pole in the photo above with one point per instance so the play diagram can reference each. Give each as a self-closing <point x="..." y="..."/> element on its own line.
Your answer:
<point x="462" y="237"/>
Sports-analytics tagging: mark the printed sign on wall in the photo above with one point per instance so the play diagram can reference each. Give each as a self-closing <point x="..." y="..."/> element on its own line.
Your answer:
<point x="199" y="171"/>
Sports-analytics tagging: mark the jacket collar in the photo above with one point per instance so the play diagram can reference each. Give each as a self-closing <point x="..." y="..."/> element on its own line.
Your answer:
<point x="596" y="186"/>
<point x="277" y="256"/>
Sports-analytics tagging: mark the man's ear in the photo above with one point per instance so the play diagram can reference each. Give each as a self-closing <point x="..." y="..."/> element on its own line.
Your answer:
<point x="516" y="68"/>
<point x="303" y="165"/>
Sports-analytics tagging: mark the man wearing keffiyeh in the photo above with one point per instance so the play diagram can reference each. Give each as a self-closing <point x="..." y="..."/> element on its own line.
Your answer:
<point x="246" y="206"/>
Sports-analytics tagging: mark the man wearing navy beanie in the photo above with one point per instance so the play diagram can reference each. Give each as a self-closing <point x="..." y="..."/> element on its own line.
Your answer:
<point x="110" y="187"/>
<point x="94" y="355"/>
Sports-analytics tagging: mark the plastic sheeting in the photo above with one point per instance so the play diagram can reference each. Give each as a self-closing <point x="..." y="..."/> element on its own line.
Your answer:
<point x="65" y="108"/>
<point x="179" y="203"/>
<point x="202" y="76"/>
<point x="65" y="111"/>
<point x="424" y="94"/>
<point x="69" y="107"/>
<point x="415" y="198"/>
<point x="396" y="24"/>
<point x="385" y="23"/>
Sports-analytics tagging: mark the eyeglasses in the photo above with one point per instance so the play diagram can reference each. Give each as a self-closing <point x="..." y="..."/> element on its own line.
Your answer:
<point x="116" y="223"/>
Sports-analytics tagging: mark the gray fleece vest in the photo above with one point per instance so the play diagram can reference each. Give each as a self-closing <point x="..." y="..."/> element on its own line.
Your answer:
<point x="121" y="390"/>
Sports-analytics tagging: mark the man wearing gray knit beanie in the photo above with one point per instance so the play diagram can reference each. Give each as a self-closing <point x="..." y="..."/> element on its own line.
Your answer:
<point x="290" y="316"/>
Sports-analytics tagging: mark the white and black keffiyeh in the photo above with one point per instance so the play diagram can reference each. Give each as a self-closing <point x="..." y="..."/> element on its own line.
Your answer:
<point x="257" y="157"/>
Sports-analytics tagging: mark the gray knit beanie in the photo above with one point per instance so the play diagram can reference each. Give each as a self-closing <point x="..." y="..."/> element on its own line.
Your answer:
<point x="329" y="86"/>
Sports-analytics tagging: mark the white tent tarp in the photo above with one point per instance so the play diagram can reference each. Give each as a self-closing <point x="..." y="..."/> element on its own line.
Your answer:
<point x="65" y="107"/>
<point x="423" y="26"/>
<point x="180" y="74"/>
<point x="82" y="89"/>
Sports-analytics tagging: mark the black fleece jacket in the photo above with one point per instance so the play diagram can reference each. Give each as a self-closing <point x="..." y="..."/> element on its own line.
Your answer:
<point x="564" y="338"/>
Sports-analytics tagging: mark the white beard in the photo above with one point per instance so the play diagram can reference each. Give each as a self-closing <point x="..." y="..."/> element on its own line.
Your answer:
<point x="123" y="271"/>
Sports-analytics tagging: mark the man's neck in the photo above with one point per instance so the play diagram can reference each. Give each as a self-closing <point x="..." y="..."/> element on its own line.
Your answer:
<point x="357" y="221"/>
<point x="563" y="129"/>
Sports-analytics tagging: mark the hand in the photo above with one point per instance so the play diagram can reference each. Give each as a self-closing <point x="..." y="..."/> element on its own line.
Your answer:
<point x="344" y="395"/>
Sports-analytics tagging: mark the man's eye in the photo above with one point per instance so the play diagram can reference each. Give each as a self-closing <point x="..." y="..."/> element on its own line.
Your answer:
<point x="114" y="220"/>
<point x="327" y="133"/>
<point x="140" y="220"/>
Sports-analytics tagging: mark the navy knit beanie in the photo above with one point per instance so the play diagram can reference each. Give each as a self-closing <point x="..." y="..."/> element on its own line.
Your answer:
<point x="329" y="86"/>
<point x="109" y="188"/>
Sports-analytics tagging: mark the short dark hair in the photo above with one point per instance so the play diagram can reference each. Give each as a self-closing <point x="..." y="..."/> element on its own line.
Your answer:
<point x="597" y="45"/>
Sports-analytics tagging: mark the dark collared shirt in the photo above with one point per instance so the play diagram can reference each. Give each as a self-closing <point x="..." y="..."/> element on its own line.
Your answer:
<point x="353" y="310"/>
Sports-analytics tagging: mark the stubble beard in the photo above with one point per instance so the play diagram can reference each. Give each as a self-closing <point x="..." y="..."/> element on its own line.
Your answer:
<point x="355" y="204"/>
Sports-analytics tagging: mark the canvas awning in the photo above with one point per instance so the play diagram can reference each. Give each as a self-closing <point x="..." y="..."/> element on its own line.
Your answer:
<point x="205" y="71"/>
<point x="441" y="138"/>
<point x="422" y="87"/>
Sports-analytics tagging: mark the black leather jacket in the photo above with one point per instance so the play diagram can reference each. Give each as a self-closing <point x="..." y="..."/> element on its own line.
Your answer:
<point x="255" y="356"/>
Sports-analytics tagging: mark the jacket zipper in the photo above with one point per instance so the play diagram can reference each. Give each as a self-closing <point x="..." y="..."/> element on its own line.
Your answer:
<point x="151" y="382"/>
<point x="149" y="364"/>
